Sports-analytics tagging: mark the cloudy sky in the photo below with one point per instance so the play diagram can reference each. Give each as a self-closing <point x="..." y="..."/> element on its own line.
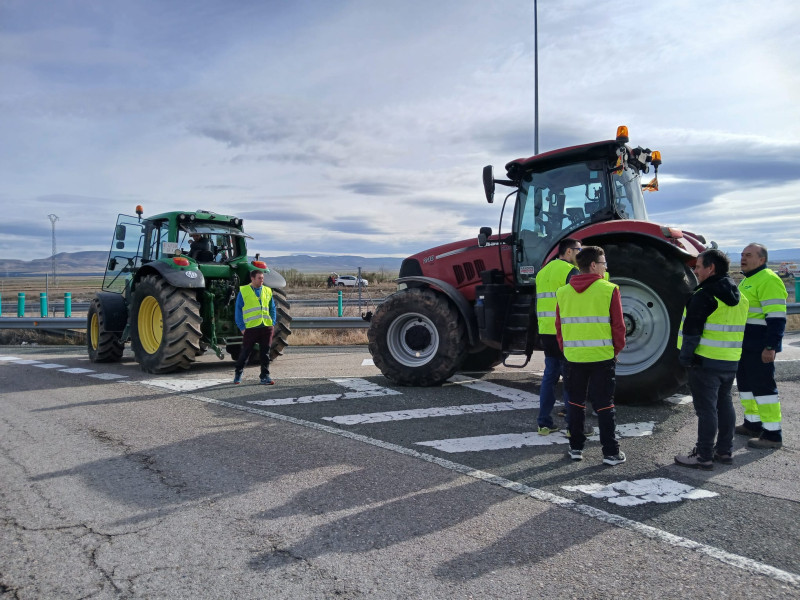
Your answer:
<point x="361" y="126"/>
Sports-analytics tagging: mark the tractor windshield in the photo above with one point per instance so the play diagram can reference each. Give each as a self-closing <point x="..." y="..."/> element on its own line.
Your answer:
<point x="552" y="204"/>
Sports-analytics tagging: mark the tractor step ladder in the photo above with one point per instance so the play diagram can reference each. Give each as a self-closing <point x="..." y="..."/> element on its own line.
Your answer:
<point x="517" y="328"/>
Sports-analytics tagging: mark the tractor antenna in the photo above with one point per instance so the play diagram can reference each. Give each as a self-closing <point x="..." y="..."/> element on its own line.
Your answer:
<point x="53" y="219"/>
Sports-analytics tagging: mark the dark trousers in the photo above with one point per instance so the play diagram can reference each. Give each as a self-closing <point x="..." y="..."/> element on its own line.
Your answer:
<point x="257" y="335"/>
<point x="716" y="418"/>
<point x="593" y="382"/>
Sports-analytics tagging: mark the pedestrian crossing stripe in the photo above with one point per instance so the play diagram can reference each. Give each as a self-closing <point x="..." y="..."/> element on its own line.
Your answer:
<point x="642" y="491"/>
<point x="427" y="413"/>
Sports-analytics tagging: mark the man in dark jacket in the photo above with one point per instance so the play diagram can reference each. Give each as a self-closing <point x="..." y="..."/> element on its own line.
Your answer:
<point x="710" y="342"/>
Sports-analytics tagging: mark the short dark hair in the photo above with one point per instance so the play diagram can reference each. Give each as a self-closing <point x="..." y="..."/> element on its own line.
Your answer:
<point x="718" y="258"/>
<point x="253" y="273"/>
<point x="566" y="244"/>
<point x="587" y="256"/>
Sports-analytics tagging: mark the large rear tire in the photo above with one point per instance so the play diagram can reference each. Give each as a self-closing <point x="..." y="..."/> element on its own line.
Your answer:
<point x="654" y="289"/>
<point x="103" y="346"/>
<point x="417" y="337"/>
<point x="165" y="326"/>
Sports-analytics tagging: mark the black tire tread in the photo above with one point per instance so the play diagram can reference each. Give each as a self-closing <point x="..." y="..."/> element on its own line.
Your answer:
<point x="109" y="344"/>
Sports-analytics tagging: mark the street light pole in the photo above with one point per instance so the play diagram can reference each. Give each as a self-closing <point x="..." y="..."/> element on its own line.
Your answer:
<point x="535" y="79"/>
<point x="53" y="219"/>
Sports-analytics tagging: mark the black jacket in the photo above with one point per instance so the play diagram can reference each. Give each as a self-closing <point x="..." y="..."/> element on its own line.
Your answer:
<point x="705" y="300"/>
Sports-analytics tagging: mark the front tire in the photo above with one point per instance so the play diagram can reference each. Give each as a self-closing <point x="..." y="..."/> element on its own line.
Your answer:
<point x="165" y="326"/>
<point x="654" y="289"/>
<point x="102" y="345"/>
<point x="417" y="337"/>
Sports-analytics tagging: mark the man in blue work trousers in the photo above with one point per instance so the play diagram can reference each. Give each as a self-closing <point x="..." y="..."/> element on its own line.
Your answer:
<point x="255" y="314"/>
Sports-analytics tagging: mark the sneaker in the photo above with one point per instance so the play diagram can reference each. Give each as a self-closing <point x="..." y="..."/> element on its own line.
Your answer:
<point x="693" y="461"/>
<point x="745" y="429"/>
<point x="762" y="443"/>
<point x="588" y="429"/>
<point x="616" y="459"/>
<point x="562" y="412"/>
<point x="548" y="430"/>
<point x="725" y="459"/>
<point x="267" y="381"/>
<point x="237" y="378"/>
<point x="575" y="454"/>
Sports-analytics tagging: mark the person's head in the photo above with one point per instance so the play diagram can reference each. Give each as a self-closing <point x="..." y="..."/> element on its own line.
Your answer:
<point x="568" y="249"/>
<point x="256" y="278"/>
<point x="711" y="262"/>
<point x="753" y="256"/>
<point x="592" y="259"/>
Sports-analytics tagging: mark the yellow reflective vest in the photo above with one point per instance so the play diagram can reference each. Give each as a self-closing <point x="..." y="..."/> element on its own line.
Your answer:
<point x="552" y="276"/>
<point x="766" y="293"/>
<point x="586" y="322"/>
<point x="255" y="313"/>
<point x="723" y="332"/>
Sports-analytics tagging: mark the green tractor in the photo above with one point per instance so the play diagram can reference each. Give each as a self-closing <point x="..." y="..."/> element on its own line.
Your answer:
<point x="170" y="288"/>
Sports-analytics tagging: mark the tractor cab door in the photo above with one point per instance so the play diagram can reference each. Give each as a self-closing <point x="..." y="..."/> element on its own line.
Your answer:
<point x="125" y="255"/>
<point x="550" y="206"/>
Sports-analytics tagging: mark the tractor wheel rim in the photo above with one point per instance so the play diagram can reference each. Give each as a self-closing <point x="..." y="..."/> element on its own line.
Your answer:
<point x="94" y="331"/>
<point x="647" y="324"/>
<point x="412" y="339"/>
<point x="150" y="325"/>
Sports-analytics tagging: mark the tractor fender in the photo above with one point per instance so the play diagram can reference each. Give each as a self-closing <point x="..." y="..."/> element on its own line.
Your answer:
<point x="461" y="303"/>
<point x="179" y="278"/>
<point x="274" y="279"/>
<point x="115" y="311"/>
<point x="651" y="235"/>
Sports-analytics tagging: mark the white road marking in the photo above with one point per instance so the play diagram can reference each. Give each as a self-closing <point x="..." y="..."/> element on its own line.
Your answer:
<point x="522" y="440"/>
<point x="49" y="366"/>
<point x="108" y="376"/>
<point x="367" y="362"/>
<point x="185" y="385"/>
<point x="426" y="413"/>
<point x="76" y="370"/>
<point x="648" y="531"/>
<point x="500" y="391"/>
<point x="359" y="388"/>
<point x="642" y="491"/>
<point x="10" y="358"/>
<point x="679" y="399"/>
<point x="27" y="361"/>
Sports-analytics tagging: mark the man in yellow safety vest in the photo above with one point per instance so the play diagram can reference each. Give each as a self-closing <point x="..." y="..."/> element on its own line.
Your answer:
<point x="255" y="314"/>
<point x="766" y="323"/>
<point x="710" y="340"/>
<point x="551" y="277"/>
<point x="591" y="333"/>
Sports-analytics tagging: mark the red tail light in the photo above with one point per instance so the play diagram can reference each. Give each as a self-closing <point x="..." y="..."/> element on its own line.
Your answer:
<point x="181" y="261"/>
<point x="259" y="264"/>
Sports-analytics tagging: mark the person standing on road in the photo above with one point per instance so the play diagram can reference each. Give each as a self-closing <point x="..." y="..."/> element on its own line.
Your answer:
<point x="710" y="341"/>
<point x="763" y="335"/>
<point x="591" y="333"/>
<point x="255" y="314"/>
<point x="553" y="275"/>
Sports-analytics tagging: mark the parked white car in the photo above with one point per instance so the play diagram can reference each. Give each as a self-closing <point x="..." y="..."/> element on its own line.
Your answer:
<point x="351" y="281"/>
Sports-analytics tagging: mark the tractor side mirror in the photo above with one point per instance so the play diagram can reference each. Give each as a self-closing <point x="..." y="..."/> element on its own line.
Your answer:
<point x="484" y="235"/>
<point x="120" y="233"/>
<point x="488" y="183"/>
<point x="112" y="264"/>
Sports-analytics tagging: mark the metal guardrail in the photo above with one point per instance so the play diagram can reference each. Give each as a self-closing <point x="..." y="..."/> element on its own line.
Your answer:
<point x="315" y="302"/>
<point x="80" y="323"/>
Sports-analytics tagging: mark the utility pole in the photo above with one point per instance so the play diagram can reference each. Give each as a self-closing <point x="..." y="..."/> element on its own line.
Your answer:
<point x="53" y="219"/>
<point x="535" y="79"/>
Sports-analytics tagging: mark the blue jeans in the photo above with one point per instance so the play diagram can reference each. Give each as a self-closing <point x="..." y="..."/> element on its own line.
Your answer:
<point x="553" y="369"/>
<point x="716" y="418"/>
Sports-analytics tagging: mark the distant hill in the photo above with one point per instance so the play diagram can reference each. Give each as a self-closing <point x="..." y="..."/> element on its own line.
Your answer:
<point x="93" y="262"/>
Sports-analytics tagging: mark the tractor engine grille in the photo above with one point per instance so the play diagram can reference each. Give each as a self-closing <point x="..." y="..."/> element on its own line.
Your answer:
<point x="468" y="271"/>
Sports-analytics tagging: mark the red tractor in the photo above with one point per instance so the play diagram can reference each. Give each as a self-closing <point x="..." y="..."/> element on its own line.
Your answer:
<point x="469" y="305"/>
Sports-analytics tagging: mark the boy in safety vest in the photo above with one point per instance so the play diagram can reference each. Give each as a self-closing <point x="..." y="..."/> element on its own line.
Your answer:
<point x="255" y="314"/>
<point x="763" y="335"/>
<point x="710" y="340"/>
<point x="591" y="333"/>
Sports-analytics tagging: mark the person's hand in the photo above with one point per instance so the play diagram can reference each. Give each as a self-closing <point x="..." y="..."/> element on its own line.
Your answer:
<point x="768" y="356"/>
<point x="242" y="331"/>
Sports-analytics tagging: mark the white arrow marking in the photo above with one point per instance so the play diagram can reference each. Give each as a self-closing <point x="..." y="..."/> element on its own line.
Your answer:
<point x="642" y="491"/>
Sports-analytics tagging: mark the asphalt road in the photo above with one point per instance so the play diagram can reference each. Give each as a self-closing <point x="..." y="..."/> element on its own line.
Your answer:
<point x="335" y="484"/>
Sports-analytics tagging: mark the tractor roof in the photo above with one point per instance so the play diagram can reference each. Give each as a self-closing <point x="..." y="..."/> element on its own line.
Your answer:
<point x="202" y="215"/>
<point x="554" y="158"/>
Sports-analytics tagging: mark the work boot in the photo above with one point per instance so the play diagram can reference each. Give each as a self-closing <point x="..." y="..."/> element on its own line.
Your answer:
<point x="764" y="443"/>
<point x="752" y="431"/>
<point x="723" y="458"/>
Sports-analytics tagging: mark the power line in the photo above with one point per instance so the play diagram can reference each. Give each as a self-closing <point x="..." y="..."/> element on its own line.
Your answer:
<point x="53" y="219"/>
